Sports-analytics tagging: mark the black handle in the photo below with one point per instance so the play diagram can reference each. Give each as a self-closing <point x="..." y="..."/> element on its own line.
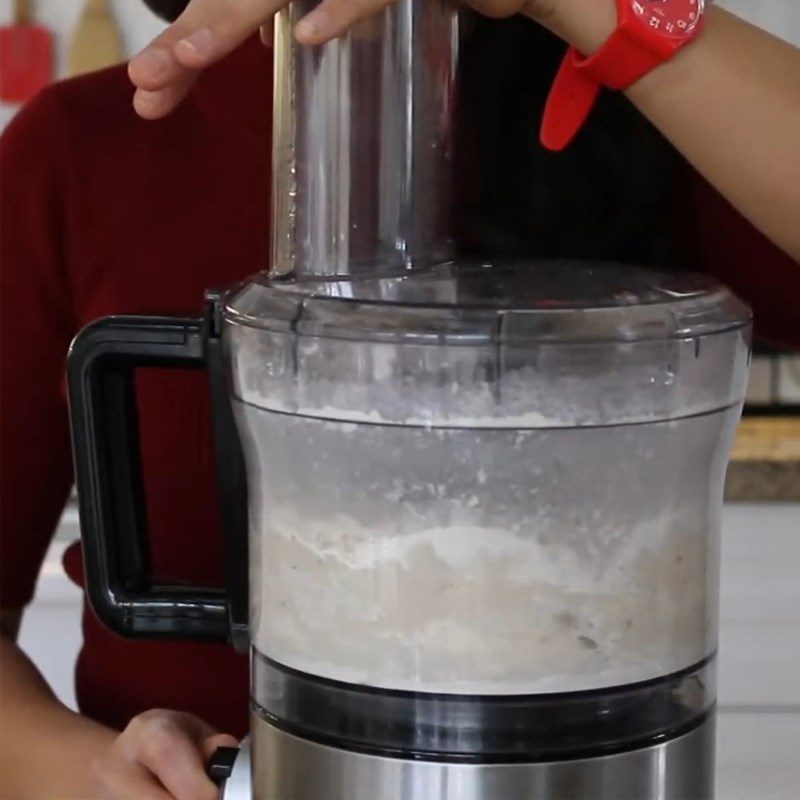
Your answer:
<point x="231" y="475"/>
<point x="108" y="475"/>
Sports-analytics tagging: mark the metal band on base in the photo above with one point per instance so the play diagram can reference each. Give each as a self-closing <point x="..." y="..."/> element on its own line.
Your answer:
<point x="482" y="728"/>
<point x="286" y="767"/>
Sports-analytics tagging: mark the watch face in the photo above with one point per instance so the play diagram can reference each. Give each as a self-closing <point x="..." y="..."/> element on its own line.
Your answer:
<point x="671" y="17"/>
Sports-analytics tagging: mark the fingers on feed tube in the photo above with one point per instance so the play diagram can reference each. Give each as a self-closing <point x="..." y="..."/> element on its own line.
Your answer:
<point x="205" y="32"/>
<point x="209" y="29"/>
<point x="331" y="18"/>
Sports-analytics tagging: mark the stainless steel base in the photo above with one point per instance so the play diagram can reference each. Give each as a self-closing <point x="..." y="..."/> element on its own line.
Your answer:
<point x="286" y="767"/>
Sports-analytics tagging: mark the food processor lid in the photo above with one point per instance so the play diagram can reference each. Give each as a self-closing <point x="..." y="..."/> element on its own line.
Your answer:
<point x="483" y="301"/>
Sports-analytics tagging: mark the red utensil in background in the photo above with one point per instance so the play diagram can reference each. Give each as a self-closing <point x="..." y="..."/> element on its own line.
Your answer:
<point x="26" y="56"/>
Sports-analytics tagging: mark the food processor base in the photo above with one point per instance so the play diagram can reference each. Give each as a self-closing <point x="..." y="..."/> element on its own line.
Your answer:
<point x="286" y="767"/>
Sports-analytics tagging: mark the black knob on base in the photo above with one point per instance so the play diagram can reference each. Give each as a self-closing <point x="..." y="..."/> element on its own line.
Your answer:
<point x="220" y="765"/>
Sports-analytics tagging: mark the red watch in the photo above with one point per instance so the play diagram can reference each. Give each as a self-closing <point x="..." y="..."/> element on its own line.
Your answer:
<point x="648" y="33"/>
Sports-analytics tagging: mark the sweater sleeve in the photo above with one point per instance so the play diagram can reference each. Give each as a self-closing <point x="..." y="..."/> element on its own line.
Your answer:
<point x="726" y="245"/>
<point x="35" y="330"/>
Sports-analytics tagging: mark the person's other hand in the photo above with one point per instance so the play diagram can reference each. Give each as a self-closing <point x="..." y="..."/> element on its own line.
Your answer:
<point x="210" y="29"/>
<point x="161" y="755"/>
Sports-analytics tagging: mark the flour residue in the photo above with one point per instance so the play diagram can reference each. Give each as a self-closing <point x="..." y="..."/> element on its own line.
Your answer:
<point x="470" y="608"/>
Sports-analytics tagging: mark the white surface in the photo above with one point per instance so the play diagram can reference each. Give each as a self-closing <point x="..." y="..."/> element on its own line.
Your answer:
<point x="51" y="632"/>
<point x="760" y="381"/>
<point x="780" y="17"/>
<point x="774" y="380"/>
<point x="757" y="755"/>
<point x="789" y="380"/>
<point x="760" y="606"/>
<point x="759" y="689"/>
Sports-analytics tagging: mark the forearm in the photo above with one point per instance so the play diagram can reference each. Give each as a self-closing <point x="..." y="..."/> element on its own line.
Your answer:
<point x="45" y="749"/>
<point x="729" y="102"/>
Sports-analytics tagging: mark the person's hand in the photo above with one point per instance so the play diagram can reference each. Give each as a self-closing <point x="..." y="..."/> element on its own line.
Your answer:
<point x="210" y="29"/>
<point x="161" y="755"/>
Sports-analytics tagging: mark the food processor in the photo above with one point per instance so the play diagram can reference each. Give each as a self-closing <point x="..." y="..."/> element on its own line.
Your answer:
<point x="471" y="508"/>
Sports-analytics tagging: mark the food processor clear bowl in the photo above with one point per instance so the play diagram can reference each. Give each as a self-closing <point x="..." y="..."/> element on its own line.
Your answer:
<point x="491" y="479"/>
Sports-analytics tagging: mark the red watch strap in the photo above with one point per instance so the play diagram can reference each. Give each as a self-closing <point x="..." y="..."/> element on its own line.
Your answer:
<point x="616" y="65"/>
<point x="571" y="100"/>
<point x="624" y="59"/>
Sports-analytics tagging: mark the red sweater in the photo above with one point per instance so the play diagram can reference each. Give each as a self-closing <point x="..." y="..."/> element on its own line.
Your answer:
<point x="103" y="213"/>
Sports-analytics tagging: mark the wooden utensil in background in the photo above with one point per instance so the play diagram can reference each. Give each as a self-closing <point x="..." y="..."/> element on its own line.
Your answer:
<point x="26" y="56"/>
<point x="96" y="42"/>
